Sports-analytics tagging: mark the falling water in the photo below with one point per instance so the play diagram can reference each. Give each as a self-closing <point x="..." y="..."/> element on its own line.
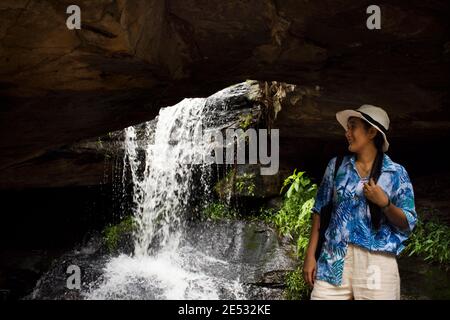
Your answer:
<point x="161" y="162"/>
<point x="162" y="176"/>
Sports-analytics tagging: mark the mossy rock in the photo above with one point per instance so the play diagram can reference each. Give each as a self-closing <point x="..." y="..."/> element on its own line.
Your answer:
<point x="119" y="237"/>
<point x="246" y="181"/>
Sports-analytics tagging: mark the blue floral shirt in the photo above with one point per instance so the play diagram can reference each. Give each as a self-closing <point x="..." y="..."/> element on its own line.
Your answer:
<point x="350" y="220"/>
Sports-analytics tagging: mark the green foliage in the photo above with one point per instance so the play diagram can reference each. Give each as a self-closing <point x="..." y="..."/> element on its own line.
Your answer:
<point x="113" y="233"/>
<point x="267" y="214"/>
<point x="294" y="221"/>
<point x="245" y="121"/>
<point x="296" y="287"/>
<point x="294" y="217"/>
<point x="431" y="240"/>
<point x="244" y="184"/>
<point x="299" y="183"/>
<point x="218" y="211"/>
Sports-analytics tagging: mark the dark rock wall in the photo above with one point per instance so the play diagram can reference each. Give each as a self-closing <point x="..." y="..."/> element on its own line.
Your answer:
<point x="130" y="58"/>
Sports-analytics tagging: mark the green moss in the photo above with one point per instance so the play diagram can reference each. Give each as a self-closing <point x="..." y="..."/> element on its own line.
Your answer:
<point x="245" y="184"/>
<point x="218" y="211"/>
<point x="113" y="233"/>
<point x="232" y="183"/>
<point x="245" y="121"/>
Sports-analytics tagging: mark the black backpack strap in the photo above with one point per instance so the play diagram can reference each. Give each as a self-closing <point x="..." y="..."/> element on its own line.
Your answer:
<point x="337" y="165"/>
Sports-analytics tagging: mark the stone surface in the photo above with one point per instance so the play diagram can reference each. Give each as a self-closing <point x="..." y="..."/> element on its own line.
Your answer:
<point x="130" y="58"/>
<point x="250" y="250"/>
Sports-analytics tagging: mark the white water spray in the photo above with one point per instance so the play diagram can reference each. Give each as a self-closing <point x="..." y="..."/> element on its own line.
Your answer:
<point x="162" y="191"/>
<point x="161" y="268"/>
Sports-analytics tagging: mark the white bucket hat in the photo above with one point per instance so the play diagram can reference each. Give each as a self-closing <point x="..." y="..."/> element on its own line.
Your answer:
<point x="376" y="116"/>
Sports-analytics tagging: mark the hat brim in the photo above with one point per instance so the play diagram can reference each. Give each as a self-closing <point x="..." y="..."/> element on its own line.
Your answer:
<point x="342" y="118"/>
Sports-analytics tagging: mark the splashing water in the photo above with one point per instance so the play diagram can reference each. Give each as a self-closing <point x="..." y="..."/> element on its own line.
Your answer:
<point x="161" y="193"/>
<point x="160" y="161"/>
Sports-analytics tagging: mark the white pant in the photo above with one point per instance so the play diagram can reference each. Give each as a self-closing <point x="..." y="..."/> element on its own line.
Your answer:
<point x="366" y="276"/>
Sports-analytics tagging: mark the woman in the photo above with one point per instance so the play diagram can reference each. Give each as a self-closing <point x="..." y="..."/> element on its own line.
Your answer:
<point x="371" y="217"/>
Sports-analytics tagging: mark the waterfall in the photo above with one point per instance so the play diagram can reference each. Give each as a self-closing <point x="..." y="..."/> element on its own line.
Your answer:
<point x="166" y="179"/>
<point x="162" y="174"/>
<point x="165" y="158"/>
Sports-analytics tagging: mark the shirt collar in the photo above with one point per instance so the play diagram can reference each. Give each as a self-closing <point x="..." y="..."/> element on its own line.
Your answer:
<point x="388" y="164"/>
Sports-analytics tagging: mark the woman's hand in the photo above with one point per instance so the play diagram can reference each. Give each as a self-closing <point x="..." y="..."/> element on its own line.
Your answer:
<point x="309" y="270"/>
<point x="375" y="193"/>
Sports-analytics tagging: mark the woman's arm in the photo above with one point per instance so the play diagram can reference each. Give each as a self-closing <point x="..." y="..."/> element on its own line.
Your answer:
<point x="395" y="215"/>
<point x="324" y="196"/>
<point x="314" y="237"/>
<point x="309" y="265"/>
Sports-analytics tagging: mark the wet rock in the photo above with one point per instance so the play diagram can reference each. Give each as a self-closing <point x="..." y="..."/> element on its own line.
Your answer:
<point x="90" y="258"/>
<point x="261" y="258"/>
<point x="246" y="181"/>
<point x="248" y="251"/>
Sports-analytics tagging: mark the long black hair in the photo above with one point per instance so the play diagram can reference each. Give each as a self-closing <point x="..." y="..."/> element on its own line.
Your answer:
<point x="375" y="211"/>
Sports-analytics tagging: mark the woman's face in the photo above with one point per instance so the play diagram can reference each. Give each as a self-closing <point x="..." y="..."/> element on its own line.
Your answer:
<point x="357" y="136"/>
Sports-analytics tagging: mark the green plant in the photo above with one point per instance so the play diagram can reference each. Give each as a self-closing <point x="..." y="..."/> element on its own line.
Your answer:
<point x="223" y="186"/>
<point x="296" y="287"/>
<point x="113" y="233"/>
<point x="218" y="211"/>
<point x="296" y="181"/>
<point x="294" y="221"/>
<point x="245" y="120"/>
<point x="294" y="217"/>
<point x="244" y="184"/>
<point x="267" y="214"/>
<point x="431" y="240"/>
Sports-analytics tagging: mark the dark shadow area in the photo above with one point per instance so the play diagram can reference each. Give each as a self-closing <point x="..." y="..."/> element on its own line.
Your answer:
<point x="38" y="225"/>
